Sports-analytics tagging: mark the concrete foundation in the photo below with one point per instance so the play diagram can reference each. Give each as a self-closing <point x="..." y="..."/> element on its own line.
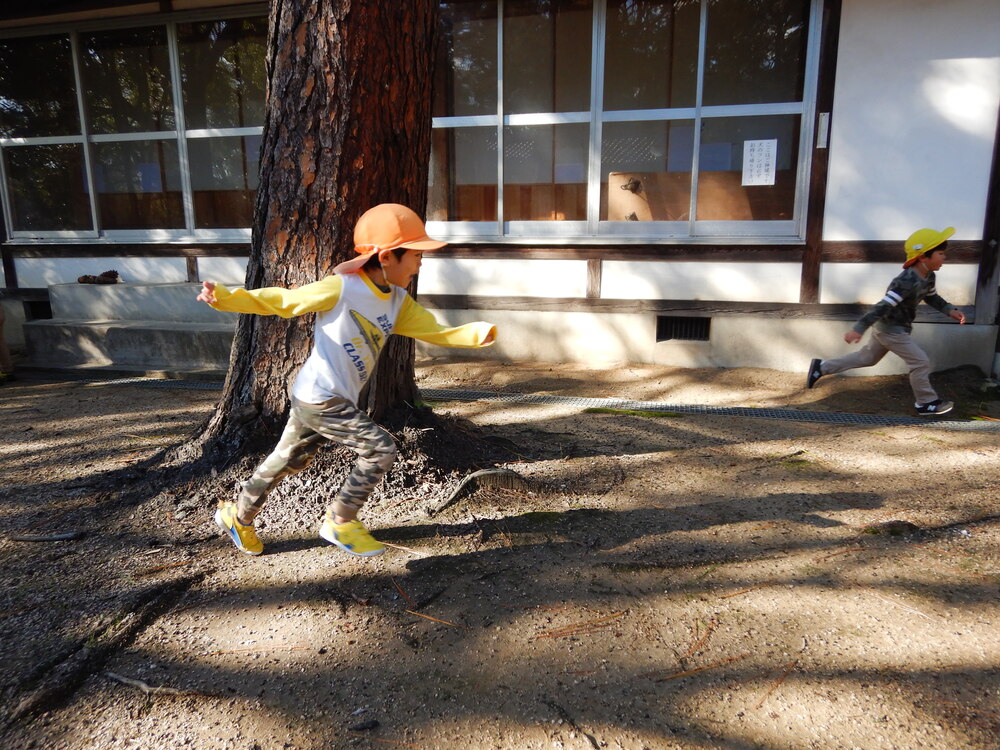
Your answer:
<point x="734" y="341"/>
<point x="162" y="326"/>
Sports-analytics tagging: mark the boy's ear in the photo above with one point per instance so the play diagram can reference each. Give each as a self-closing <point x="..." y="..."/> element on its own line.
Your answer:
<point x="384" y="255"/>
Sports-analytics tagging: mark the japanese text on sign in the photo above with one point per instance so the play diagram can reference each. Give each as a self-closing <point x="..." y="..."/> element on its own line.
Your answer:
<point x="759" y="161"/>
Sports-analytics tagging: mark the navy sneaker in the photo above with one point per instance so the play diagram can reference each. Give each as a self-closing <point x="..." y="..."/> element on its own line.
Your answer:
<point x="934" y="408"/>
<point x="815" y="372"/>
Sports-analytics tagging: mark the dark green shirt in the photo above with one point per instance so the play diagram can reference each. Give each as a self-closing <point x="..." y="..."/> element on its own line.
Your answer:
<point x="895" y="312"/>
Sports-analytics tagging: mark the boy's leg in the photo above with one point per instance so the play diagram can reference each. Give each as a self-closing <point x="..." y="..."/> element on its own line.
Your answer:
<point x="916" y="359"/>
<point x="294" y="452"/>
<point x="868" y="355"/>
<point x="342" y="422"/>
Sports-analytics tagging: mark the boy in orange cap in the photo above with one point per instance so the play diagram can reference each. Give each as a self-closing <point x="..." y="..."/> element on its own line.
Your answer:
<point x="356" y="310"/>
<point x="891" y="320"/>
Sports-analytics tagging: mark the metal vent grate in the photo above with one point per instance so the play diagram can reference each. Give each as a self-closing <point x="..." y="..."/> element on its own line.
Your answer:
<point x="679" y="328"/>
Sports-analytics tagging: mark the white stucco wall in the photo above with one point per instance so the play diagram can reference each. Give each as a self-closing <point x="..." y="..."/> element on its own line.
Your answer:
<point x="915" y="114"/>
<point x="723" y="281"/>
<point x="40" y="272"/>
<point x="503" y="278"/>
<point x="225" y="270"/>
<point x="865" y="283"/>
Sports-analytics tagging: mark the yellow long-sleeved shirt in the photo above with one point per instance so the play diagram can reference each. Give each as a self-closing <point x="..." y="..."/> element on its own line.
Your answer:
<point x="353" y="319"/>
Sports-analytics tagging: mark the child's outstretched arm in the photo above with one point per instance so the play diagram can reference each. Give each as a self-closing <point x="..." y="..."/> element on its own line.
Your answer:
<point x="286" y="303"/>
<point x="417" y="323"/>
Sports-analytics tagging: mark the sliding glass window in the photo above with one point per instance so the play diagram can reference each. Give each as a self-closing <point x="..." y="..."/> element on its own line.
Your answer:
<point x="139" y="133"/>
<point x="644" y="119"/>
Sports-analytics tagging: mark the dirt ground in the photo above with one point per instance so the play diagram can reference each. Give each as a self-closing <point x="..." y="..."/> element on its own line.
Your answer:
<point x="669" y="581"/>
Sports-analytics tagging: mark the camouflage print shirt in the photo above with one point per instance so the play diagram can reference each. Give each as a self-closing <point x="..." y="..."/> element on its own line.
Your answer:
<point x="894" y="313"/>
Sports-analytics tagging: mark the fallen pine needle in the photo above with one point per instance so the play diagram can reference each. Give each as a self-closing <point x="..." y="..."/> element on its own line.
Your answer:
<point x="403" y="593"/>
<point x="842" y="552"/>
<point x="406" y="549"/>
<point x="146" y="688"/>
<point x="258" y="650"/>
<point x="434" y="619"/>
<point x="158" y="568"/>
<point x="908" y="609"/>
<point x="581" y="626"/>
<point x="60" y="514"/>
<point x="699" y="643"/>
<point x="743" y="591"/>
<point x="713" y="665"/>
<point x="788" y="668"/>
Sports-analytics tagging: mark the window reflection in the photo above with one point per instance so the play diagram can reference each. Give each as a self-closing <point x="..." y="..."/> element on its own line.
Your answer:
<point x="47" y="188"/>
<point x="37" y="91"/>
<point x="463" y="181"/>
<point x="222" y="71"/>
<point x="546" y="55"/>
<point x="224" y="175"/>
<point x="545" y="173"/>
<point x="467" y="68"/>
<point x="138" y="185"/>
<point x="126" y="79"/>
<point x="755" y="51"/>
<point x="651" y="54"/>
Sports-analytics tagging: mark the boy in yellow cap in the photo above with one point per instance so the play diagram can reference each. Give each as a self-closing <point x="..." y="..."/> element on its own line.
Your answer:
<point x="891" y="320"/>
<point x="356" y="309"/>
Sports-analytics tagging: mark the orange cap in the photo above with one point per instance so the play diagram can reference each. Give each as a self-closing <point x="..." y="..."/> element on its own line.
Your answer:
<point x="386" y="227"/>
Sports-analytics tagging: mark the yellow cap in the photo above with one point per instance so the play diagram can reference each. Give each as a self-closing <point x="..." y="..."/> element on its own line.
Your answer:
<point x="923" y="241"/>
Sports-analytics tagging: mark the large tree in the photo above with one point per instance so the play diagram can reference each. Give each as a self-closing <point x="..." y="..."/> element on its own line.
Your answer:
<point x="347" y="126"/>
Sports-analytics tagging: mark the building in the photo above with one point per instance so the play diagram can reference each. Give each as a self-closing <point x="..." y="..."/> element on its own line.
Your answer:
<point x="690" y="182"/>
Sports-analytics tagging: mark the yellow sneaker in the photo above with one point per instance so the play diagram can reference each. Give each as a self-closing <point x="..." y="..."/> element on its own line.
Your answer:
<point x="351" y="537"/>
<point x="243" y="536"/>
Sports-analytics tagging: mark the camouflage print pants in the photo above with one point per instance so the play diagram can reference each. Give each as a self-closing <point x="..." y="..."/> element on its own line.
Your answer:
<point x="309" y="427"/>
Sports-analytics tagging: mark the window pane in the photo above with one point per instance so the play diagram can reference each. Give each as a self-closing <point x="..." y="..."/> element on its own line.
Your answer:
<point x="126" y="79"/>
<point x="467" y="66"/>
<point x="646" y="171"/>
<point x="722" y="196"/>
<point x="224" y="175"/>
<point x="546" y="55"/>
<point x="755" y="51"/>
<point x="463" y="182"/>
<point x="37" y="92"/>
<point x="545" y="173"/>
<point x="222" y="72"/>
<point x="138" y="185"/>
<point x="651" y="54"/>
<point x="47" y="188"/>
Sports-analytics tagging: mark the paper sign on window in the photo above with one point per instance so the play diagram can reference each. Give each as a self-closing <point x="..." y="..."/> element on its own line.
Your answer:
<point x="759" y="161"/>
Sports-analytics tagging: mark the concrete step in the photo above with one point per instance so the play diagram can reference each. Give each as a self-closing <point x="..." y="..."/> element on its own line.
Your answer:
<point x="148" y="345"/>
<point x="145" y="302"/>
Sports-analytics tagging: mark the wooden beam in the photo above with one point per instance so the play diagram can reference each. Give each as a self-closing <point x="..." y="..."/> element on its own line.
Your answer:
<point x="594" y="278"/>
<point x="104" y="250"/>
<point x="988" y="280"/>
<point x="693" y="308"/>
<point x="809" y="285"/>
<point x="891" y="251"/>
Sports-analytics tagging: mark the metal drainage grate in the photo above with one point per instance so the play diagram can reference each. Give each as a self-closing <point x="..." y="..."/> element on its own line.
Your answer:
<point x="790" y="415"/>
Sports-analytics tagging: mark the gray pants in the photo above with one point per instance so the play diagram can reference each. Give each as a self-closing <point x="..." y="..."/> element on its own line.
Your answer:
<point x="309" y="427"/>
<point x="900" y="344"/>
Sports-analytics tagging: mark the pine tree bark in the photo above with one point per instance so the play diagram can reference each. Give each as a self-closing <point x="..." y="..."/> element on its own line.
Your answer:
<point x="347" y="126"/>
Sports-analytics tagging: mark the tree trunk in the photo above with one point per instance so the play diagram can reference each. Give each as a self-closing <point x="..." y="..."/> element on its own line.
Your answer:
<point x="347" y="126"/>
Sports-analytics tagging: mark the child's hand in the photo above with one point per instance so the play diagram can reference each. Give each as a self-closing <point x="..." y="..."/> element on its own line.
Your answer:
<point x="852" y="337"/>
<point x="957" y="315"/>
<point x="207" y="292"/>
